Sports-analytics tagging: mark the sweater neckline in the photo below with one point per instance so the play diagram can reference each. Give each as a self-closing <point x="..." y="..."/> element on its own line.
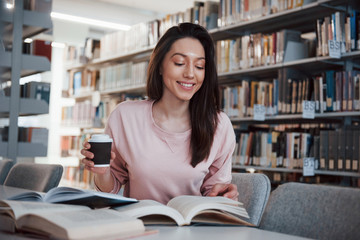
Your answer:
<point x="163" y="132"/>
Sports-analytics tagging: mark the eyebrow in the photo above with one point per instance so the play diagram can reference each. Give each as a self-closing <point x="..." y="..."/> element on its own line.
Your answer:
<point x="184" y="55"/>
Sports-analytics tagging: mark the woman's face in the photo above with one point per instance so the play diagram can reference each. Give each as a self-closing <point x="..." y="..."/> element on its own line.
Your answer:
<point x="183" y="69"/>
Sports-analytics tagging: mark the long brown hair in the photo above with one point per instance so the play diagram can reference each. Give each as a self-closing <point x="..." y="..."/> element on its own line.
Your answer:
<point x="205" y="104"/>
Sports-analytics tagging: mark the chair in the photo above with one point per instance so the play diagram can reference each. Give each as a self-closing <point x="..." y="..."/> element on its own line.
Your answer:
<point x="5" y="166"/>
<point x="314" y="211"/>
<point x="32" y="176"/>
<point x="254" y="190"/>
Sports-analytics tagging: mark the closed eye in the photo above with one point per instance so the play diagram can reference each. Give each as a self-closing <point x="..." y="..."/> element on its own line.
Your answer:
<point x="199" y="67"/>
<point x="179" y="64"/>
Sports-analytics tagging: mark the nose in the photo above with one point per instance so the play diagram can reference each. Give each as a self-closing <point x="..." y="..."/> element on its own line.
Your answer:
<point x="189" y="72"/>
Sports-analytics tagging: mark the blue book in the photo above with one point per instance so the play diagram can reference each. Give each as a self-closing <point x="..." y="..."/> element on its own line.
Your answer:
<point x="77" y="83"/>
<point x="330" y="90"/>
<point x="353" y="29"/>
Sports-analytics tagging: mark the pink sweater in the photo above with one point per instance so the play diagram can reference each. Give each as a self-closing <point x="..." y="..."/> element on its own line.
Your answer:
<point x="155" y="164"/>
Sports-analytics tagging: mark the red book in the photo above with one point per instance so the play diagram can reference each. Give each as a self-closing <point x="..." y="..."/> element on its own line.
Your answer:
<point x="42" y="48"/>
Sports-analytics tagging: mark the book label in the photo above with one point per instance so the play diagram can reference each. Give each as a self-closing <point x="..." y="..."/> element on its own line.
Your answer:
<point x="259" y="112"/>
<point x="334" y="49"/>
<point x="308" y="109"/>
<point x="308" y="167"/>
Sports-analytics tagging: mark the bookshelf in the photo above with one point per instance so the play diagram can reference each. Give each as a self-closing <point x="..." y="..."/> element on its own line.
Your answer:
<point x="303" y="19"/>
<point x="18" y="24"/>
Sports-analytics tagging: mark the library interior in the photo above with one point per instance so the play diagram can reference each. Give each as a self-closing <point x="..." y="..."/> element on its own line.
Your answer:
<point x="288" y="76"/>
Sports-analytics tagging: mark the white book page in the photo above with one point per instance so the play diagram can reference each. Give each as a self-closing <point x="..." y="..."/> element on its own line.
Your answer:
<point x="83" y="224"/>
<point x="61" y="194"/>
<point x="28" y="196"/>
<point x="189" y="206"/>
<point x="149" y="207"/>
<point x="20" y="208"/>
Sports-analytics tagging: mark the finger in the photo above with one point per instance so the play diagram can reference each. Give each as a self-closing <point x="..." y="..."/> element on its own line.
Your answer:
<point x="218" y="189"/>
<point x="232" y="195"/>
<point x="87" y="154"/>
<point x="87" y="162"/>
<point x="232" y="192"/>
<point x="86" y="145"/>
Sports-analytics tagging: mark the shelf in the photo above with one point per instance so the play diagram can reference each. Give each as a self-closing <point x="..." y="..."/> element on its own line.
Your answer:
<point x="141" y="54"/>
<point x="27" y="106"/>
<point x="30" y="65"/>
<point x="329" y="116"/>
<point x="287" y="170"/>
<point x="302" y="19"/>
<point x="130" y="89"/>
<point x="34" y="23"/>
<point x="313" y="65"/>
<point x="26" y="149"/>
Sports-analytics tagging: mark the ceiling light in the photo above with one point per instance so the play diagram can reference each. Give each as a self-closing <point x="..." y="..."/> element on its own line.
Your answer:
<point x="89" y="21"/>
<point x="28" y="40"/>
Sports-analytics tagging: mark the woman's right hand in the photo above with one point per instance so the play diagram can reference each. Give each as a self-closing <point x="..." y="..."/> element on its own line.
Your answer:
<point x="89" y="164"/>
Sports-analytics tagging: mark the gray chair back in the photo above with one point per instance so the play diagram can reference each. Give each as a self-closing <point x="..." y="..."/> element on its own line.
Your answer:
<point x="254" y="190"/>
<point x="32" y="176"/>
<point x="5" y="165"/>
<point x="314" y="211"/>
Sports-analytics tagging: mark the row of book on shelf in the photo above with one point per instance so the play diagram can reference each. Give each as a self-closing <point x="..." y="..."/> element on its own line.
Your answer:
<point x="123" y="75"/>
<point x="143" y="35"/>
<point x="77" y="177"/>
<point x="81" y="113"/>
<point x="119" y="76"/>
<point x="27" y="134"/>
<point x="254" y="50"/>
<point x="234" y="11"/>
<point x="341" y="27"/>
<point x="32" y="90"/>
<point x="332" y="149"/>
<point x="85" y="114"/>
<point x="38" y="47"/>
<point x="330" y="91"/>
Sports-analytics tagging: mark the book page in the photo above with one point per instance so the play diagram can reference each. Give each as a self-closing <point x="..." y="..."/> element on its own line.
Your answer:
<point x="82" y="224"/>
<point x="20" y="208"/>
<point x="152" y="212"/>
<point x="85" y="197"/>
<point x="28" y="196"/>
<point x="189" y="206"/>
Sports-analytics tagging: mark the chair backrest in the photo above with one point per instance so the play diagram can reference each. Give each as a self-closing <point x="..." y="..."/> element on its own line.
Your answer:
<point x="5" y="165"/>
<point x="254" y="190"/>
<point x="37" y="177"/>
<point x="314" y="211"/>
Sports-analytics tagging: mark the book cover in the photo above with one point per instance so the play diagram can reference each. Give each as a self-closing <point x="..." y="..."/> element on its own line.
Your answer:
<point x="324" y="150"/>
<point x="42" y="48"/>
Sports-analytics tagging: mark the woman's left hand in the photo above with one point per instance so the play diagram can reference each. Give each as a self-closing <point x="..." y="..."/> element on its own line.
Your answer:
<point x="225" y="190"/>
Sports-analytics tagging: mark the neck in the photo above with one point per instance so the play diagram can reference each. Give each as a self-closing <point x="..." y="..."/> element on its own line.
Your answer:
<point x="172" y="115"/>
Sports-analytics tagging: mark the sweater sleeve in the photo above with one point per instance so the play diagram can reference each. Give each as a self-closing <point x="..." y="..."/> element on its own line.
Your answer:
<point x="118" y="167"/>
<point x="220" y="169"/>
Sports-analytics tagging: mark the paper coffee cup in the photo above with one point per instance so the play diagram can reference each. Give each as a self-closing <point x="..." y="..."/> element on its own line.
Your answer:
<point x="101" y="148"/>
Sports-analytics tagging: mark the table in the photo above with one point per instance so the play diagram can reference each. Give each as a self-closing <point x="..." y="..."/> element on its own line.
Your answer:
<point x="178" y="233"/>
<point x="213" y="233"/>
<point x="197" y="233"/>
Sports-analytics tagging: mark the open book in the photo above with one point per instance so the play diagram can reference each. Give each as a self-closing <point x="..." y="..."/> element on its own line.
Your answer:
<point x="76" y="196"/>
<point x="184" y="210"/>
<point x="63" y="221"/>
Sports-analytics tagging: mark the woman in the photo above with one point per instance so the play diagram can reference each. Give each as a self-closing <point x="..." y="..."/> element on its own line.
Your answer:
<point x="177" y="142"/>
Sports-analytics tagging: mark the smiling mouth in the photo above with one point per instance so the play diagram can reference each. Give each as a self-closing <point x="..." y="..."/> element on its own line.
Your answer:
<point x="187" y="84"/>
